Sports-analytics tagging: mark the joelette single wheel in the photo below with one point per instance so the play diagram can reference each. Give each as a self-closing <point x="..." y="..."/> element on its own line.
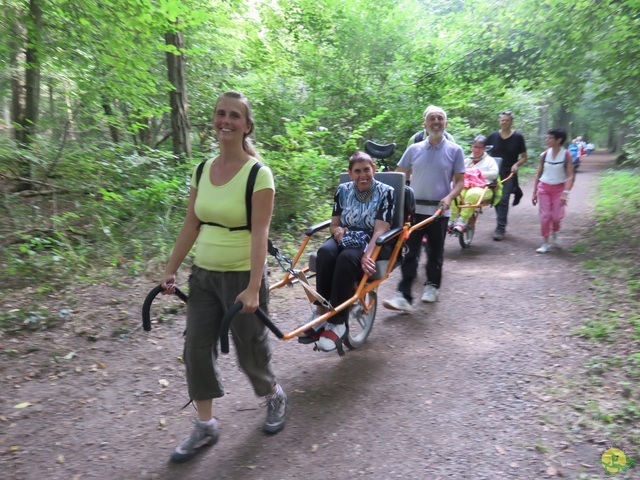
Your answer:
<point x="466" y="237"/>
<point x="360" y="322"/>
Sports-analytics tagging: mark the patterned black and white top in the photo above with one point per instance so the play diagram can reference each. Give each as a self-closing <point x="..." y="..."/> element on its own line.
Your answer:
<point x="363" y="216"/>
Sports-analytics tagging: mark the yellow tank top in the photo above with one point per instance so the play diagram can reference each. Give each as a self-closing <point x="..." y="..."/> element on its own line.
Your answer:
<point x="217" y="248"/>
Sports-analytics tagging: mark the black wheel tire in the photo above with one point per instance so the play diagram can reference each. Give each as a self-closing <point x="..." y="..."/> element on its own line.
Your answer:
<point x="359" y="324"/>
<point x="466" y="237"/>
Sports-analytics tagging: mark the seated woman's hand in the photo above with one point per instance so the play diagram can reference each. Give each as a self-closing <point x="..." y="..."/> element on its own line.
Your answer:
<point x="368" y="265"/>
<point x="339" y="233"/>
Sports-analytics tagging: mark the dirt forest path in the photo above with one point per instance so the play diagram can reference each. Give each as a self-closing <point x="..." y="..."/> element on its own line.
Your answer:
<point x="458" y="389"/>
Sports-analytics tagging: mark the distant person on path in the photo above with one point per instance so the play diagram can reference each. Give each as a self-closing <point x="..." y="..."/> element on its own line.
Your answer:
<point x="362" y="211"/>
<point x="509" y="145"/>
<point x="574" y="150"/>
<point x="229" y="267"/>
<point x="433" y="165"/>
<point x="551" y="187"/>
<point x="590" y="148"/>
<point x="479" y="160"/>
<point x="582" y="145"/>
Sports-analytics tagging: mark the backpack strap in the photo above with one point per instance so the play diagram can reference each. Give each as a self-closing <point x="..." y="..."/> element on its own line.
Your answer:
<point x="418" y="137"/>
<point x="199" y="172"/>
<point x="251" y="182"/>
<point x="543" y="156"/>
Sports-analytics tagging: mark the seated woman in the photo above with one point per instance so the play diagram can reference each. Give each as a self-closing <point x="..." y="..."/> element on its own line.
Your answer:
<point x="478" y="161"/>
<point x="362" y="211"/>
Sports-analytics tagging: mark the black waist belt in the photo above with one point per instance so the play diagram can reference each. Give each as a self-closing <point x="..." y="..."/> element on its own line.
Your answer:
<point x="231" y="229"/>
<point x="431" y="203"/>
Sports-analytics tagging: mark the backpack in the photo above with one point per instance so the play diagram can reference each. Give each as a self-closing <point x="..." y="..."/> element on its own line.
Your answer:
<point x="567" y="158"/>
<point x="251" y="181"/>
<point x="418" y="137"/>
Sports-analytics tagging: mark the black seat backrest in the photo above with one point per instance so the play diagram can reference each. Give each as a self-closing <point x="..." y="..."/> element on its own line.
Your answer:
<point x="395" y="180"/>
<point x="379" y="151"/>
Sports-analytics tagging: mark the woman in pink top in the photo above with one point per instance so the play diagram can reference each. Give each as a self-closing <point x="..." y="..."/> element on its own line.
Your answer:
<point x="553" y="182"/>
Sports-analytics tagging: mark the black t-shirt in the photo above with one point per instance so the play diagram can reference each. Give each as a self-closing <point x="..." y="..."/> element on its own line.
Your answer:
<point x="509" y="149"/>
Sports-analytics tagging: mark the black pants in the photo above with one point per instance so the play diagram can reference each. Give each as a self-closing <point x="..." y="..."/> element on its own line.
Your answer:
<point x="436" y="233"/>
<point x="502" y="208"/>
<point x="338" y="271"/>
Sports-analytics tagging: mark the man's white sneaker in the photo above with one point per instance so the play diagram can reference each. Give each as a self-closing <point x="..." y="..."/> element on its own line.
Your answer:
<point x="544" y="248"/>
<point x="398" y="303"/>
<point x="430" y="294"/>
<point x="555" y="239"/>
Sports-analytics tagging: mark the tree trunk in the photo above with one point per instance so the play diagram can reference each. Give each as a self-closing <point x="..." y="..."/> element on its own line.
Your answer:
<point x="180" y="127"/>
<point x="115" y="134"/>
<point x="543" y="125"/>
<point x="17" y="91"/>
<point x="611" y="139"/>
<point x="32" y="74"/>
<point x="26" y="101"/>
<point x="564" y="119"/>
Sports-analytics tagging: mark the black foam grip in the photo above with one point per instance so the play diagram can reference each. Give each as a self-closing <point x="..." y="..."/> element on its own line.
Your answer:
<point x="146" y="306"/>
<point x="228" y="318"/>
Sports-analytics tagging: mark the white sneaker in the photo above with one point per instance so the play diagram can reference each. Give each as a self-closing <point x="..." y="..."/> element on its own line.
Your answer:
<point x="332" y="333"/>
<point x="398" y="303"/>
<point x="544" y="248"/>
<point x="459" y="226"/>
<point x="430" y="294"/>
<point x="555" y="239"/>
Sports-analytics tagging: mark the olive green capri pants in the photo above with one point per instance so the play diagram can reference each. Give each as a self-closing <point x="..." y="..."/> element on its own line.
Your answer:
<point x="211" y="294"/>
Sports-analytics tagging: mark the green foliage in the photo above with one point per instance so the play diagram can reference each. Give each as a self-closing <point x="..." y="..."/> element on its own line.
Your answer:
<point x="301" y="172"/>
<point x="618" y="200"/>
<point x="323" y="77"/>
<point x="615" y="322"/>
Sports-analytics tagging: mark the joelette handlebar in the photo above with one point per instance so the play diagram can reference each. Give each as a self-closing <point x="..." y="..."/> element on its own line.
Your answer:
<point x="146" y="306"/>
<point x="226" y="320"/>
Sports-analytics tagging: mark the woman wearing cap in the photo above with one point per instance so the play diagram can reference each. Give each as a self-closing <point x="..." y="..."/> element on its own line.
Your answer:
<point x="481" y="169"/>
